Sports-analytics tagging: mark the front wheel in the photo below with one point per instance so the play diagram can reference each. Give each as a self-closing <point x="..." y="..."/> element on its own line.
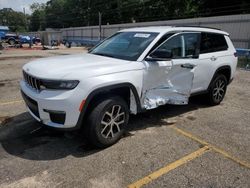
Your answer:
<point x="107" y="121"/>
<point x="217" y="89"/>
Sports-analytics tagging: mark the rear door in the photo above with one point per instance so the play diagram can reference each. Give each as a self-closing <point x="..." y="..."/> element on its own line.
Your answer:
<point x="170" y="81"/>
<point x="213" y="52"/>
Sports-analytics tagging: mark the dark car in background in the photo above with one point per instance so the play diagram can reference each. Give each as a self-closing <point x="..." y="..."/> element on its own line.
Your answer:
<point x="11" y="39"/>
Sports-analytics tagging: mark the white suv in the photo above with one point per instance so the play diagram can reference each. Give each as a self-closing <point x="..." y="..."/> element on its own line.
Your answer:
<point x="132" y="71"/>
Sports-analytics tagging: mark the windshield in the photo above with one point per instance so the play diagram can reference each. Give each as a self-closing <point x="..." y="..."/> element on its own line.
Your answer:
<point x="125" y="45"/>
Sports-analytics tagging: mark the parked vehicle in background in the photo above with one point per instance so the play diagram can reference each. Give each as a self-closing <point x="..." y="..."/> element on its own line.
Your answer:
<point x="11" y="39"/>
<point x="2" y="34"/>
<point x="55" y="43"/>
<point x="36" y="40"/>
<point x="24" y="39"/>
<point x="27" y="39"/>
<point x="132" y="71"/>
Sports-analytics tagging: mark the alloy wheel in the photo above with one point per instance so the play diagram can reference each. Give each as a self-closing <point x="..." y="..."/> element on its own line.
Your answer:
<point x="112" y="121"/>
<point x="219" y="90"/>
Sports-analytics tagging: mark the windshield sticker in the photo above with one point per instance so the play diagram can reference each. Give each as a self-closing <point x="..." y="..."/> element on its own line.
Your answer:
<point x="142" y="35"/>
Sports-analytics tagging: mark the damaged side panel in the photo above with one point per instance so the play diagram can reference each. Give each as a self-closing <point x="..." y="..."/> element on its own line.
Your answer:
<point x="166" y="82"/>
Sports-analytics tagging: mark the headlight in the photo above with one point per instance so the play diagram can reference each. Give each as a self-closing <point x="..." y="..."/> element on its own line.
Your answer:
<point x="62" y="84"/>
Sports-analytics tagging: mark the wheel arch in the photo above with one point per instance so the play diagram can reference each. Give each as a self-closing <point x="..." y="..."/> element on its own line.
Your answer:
<point x="121" y="89"/>
<point x="11" y="38"/>
<point x="225" y="70"/>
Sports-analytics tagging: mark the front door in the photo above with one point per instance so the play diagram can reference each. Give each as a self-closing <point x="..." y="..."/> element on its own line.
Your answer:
<point x="170" y="81"/>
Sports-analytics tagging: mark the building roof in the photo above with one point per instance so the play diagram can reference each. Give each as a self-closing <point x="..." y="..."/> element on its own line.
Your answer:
<point x="164" y="29"/>
<point x="5" y="28"/>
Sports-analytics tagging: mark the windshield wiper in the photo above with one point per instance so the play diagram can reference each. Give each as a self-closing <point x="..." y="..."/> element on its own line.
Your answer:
<point x="103" y="54"/>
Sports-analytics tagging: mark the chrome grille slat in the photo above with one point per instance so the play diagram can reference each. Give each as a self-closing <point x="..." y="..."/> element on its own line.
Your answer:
<point x="26" y="77"/>
<point x="38" y="84"/>
<point x="29" y="81"/>
<point x="35" y="83"/>
<point x="32" y="81"/>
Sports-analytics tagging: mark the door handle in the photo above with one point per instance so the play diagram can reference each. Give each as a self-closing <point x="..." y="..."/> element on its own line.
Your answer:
<point x="188" y="66"/>
<point x="213" y="58"/>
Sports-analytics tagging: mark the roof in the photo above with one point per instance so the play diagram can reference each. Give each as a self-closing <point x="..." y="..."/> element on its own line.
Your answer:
<point x="164" y="29"/>
<point x="5" y="28"/>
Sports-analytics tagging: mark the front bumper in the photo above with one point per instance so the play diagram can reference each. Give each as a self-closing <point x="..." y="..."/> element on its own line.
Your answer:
<point x="55" y="108"/>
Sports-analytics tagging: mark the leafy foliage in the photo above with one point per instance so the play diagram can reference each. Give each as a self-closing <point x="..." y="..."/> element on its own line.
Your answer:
<point x="15" y="20"/>
<point x="37" y="19"/>
<point x="75" y="13"/>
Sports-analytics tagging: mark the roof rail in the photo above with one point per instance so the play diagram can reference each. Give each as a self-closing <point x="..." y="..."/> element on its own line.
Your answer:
<point x="197" y="26"/>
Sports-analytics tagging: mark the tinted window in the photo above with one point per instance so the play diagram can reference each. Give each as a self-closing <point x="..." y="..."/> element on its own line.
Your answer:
<point x="191" y="43"/>
<point x="212" y="43"/>
<point x="181" y="46"/>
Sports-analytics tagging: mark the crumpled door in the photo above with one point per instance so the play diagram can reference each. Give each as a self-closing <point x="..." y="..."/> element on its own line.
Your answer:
<point x="167" y="82"/>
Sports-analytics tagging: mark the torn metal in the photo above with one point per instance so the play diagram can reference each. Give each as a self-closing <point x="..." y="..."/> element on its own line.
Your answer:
<point x="166" y="83"/>
<point x="166" y="95"/>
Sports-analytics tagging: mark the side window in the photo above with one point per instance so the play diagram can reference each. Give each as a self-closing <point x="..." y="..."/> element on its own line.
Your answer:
<point x="181" y="46"/>
<point x="191" y="44"/>
<point x="174" y="46"/>
<point x="161" y="40"/>
<point x="212" y="42"/>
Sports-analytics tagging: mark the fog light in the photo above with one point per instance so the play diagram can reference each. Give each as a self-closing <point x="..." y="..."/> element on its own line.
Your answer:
<point x="56" y="116"/>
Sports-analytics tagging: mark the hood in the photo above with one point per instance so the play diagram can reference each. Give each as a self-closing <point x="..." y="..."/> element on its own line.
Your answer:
<point x="70" y="66"/>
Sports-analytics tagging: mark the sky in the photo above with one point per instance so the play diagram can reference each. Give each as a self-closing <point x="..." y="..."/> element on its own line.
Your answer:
<point x="18" y="5"/>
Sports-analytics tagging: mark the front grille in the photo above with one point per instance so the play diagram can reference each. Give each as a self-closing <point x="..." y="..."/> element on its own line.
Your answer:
<point x="32" y="81"/>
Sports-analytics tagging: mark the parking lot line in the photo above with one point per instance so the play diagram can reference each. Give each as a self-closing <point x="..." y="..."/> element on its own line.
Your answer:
<point x="169" y="167"/>
<point x="10" y="102"/>
<point x="215" y="148"/>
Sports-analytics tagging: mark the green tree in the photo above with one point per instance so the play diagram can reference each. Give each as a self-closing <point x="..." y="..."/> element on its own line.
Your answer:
<point x="37" y="18"/>
<point x="16" y="21"/>
<point x="56" y="13"/>
<point x="76" y="13"/>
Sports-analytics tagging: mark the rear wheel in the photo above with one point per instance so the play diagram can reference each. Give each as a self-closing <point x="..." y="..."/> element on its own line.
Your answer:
<point x="12" y="42"/>
<point x="107" y="121"/>
<point x="217" y="89"/>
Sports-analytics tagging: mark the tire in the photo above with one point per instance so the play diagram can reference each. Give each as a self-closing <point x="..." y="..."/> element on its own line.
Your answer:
<point x="217" y="90"/>
<point x="12" y="42"/>
<point x="107" y="122"/>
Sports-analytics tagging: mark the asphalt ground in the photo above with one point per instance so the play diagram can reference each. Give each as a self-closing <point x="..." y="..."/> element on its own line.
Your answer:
<point x="173" y="146"/>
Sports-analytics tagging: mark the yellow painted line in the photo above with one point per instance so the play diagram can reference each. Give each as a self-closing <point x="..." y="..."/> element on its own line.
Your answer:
<point x="10" y="102"/>
<point x="215" y="148"/>
<point x="168" y="168"/>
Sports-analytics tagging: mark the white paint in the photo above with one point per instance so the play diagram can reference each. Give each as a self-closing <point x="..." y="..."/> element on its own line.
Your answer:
<point x="142" y="35"/>
<point x="156" y="83"/>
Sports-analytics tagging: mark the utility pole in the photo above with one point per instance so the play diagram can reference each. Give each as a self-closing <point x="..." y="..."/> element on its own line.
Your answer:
<point x="25" y="18"/>
<point x="100" y="25"/>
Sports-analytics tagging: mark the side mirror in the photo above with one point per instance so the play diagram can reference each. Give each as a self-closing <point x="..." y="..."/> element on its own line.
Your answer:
<point x="159" y="55"/>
